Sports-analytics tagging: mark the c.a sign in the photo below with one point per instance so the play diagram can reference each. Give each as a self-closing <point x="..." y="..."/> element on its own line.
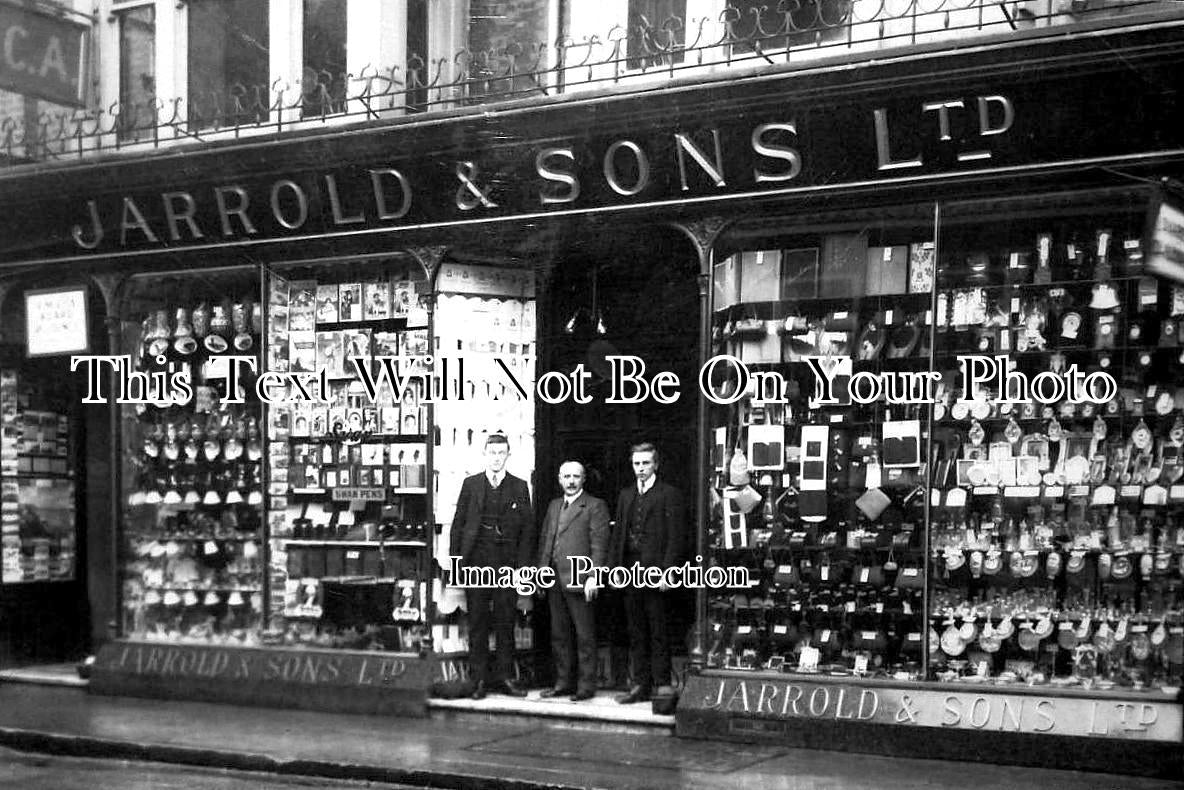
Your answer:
<point x="42" y="56"/>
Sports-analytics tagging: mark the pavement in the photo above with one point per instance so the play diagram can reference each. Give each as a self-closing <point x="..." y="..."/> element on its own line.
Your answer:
<point x="470" y="750"/>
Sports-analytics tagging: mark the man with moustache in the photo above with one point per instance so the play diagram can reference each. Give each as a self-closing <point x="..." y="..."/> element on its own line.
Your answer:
<point x="576" y="525"/>
<point x="493" y="527"/>
<point x="650" y="530"/>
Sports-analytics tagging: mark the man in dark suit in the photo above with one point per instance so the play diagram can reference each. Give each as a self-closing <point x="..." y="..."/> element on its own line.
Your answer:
<point x="493" y="527"/>
<point x="576" y="526"/>
<point x="650" y="530"/>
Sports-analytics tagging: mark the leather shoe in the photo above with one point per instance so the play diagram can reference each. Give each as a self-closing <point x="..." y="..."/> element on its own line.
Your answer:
<point x="636" y="694"/>
<point x="479" y="690"/>
<point x="580" y="696"/>
<point x="511" y="689"/>
<point x="558" y="691"/>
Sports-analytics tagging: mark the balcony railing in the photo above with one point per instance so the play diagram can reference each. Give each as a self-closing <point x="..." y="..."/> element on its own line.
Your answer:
<point x="745" y="35"/>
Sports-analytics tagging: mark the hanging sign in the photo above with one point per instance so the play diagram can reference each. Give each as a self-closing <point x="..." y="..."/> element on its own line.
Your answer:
<point x="42" y="56"/>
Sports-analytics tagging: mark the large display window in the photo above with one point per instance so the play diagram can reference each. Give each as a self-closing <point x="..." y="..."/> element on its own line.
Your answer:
<point x="947" y="448"/>
<point x="192" y="533"/>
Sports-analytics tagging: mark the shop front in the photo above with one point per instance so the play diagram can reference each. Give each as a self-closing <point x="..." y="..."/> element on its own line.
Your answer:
<point x="811" y="255"/>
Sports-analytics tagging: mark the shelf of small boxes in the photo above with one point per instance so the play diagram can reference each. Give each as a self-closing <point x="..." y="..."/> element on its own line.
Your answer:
<point x="193" y="528"/>
<point x="340" y="465"/>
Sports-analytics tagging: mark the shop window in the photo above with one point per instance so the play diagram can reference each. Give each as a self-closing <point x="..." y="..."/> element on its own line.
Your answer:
<point x="960" y="460"/>
<point x="137" y="71"/>
<point x="657" y="33"/>
<point x="192" y="535"/>
<point x="822" y="494"/>
<point x="324" y="82"/>
<point x="228" y="63"/>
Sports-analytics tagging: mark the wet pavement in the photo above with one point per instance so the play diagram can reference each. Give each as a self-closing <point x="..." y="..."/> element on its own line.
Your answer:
<point x="21" y="771"/>
<point x="470" y="750"/>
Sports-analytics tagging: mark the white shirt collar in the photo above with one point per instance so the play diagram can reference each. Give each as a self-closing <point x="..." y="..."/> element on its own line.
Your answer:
<point x="567" y="500"/>
<point x="495" y="478"/>
<point x="647" y="485"/>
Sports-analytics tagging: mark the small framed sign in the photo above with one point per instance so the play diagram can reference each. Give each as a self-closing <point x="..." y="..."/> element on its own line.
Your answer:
<point x="57" y="321"/>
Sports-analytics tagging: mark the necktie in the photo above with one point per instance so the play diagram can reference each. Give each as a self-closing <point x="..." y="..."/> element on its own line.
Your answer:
<point x="565" y="504"/>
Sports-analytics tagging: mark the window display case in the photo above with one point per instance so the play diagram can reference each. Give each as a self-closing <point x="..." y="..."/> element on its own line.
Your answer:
<point x="36" y="467"/>
<point x="348" y="454"/>
<point x="192" y="532"/>
<point x="1055" y="515"/>
<point x="987" y="491"/>
<point x="821" y="495"/>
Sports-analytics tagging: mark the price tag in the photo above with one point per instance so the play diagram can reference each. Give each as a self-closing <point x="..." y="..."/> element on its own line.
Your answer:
<point x="824" y="573"/>
<point x="983" y="669"/>
<point x="1054" y="492"/>
<point x="888" y="317"/>
<point x="1066" y="626"/>
<point x="981" y="490"/>
<point x="913" y="638"/>
<point x="744" y="629"/>
<point x="850" y="606"/>
<point x="879" y="607"/>
<point x="353" y="555"/>
<point x="868" y="636"/>
<point x="861" y="665"/>
<point x="842" y="314"/>
<point x="910" y="572"/>
<point x="1130" y="244"/>
<point x="837" y="417"/>
<point x="785" y="569"/>
<point x="808" y="661"/>
<point x="210" y="547"/>
<point x="824" y="637"/>
<point x="1132" y="491"/>
<point x="780" y="630"/>
<point x="864" y="575"/>
<point x="1138" y="629"/>
<point x="1015" y="304"/>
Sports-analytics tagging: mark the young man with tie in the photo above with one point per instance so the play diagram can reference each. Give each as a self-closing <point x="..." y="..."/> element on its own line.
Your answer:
<point x="576" y="525"/>
<point x="493" y="527"/>
<point x="650" y="530"/>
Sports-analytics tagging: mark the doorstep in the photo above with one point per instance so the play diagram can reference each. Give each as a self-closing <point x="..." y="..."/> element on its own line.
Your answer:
<point x="601" y="709"/>
<point x="45" y="675"/>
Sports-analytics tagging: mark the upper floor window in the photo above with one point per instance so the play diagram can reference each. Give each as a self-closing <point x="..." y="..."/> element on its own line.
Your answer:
<point x="228" y="62"/>
<point x="657" y="33"/>
<point x="324" y="77"/>
<point x="137" y="71"/>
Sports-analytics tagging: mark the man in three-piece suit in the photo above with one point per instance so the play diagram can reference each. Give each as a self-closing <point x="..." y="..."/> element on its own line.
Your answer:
<point x="493" y="527"/>
<point x="576" y="525"/>
<point x="650" y="530"/>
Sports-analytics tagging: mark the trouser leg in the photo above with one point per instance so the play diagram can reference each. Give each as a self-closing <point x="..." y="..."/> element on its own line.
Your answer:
<point x="561" y="649"/>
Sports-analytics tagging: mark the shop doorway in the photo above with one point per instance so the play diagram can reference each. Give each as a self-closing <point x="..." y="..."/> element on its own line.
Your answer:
<point x="636" y="295"/>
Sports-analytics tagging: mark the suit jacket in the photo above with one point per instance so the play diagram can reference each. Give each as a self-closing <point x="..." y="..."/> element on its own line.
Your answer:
<point x="663" y="533"/>
<point x="516" y="519"/>
<point x="580" y="530"/>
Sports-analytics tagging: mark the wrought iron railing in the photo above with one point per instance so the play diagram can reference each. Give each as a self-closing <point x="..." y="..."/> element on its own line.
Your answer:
<point x="746" y="34"/>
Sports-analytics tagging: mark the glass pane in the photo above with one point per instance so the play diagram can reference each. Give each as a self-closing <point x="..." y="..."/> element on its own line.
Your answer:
<point x="228" y="62"/>
<point x="137" y="72"/>
<point x="324" y="83"/>
<point x="192" y="534"/>
<point x="349" y="475"/>
<point x="1055" y="533"/>
<point x="657" y="33"/>
<point x="820" y="454"/>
